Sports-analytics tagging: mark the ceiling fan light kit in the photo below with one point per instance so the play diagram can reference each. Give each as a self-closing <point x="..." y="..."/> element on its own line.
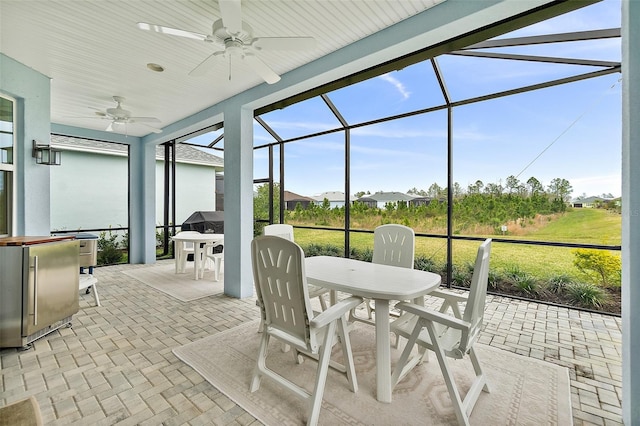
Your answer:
<point x="121" y="116"/>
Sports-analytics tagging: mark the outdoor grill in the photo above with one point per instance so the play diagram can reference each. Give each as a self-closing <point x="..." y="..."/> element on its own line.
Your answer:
<point x="205" y="222"/>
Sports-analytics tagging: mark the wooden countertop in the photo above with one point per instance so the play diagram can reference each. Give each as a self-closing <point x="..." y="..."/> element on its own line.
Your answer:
<point x="27" y="241"/>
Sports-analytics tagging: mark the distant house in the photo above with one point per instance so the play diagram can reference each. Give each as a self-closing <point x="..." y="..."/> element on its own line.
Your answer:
<point x="335" y="198"/>
<point x="89" y="190"/>
<point x="421" y="201"/>
<point x="381" y="199"/>
<point x="589" y="202"/>
<point x="291" y="200"/>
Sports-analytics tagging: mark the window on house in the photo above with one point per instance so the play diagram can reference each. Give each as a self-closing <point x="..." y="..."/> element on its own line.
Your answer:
<point x="7" y="120"/>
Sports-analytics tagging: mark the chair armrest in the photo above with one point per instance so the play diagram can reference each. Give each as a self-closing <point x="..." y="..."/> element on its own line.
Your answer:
<point x="451" y="297"/>
<point x="335" y="311"/>
<point x="435" y="316"/>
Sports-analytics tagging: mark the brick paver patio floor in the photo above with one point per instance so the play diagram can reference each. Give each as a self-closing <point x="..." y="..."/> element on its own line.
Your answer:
<point x="115" y="365"/>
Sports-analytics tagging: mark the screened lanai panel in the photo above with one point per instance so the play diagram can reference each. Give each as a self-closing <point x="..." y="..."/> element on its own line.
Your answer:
<point x="315" y="168"/>
<point x="492" y="75"/>
<point x="303" y="118"/>
<point x="523" y="160"/>
<point x="400" y="167"/>
<point x="410" y="89"/>
<point x="210" y="138"/>
<point x="540" y="272"/>
<point x="261" y="163"/>
<point x="261" y="136"/>
<point x="469" y="77"/>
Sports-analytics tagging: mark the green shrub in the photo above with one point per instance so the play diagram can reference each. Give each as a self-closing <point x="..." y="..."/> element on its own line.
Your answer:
<point x="494" y="279"/>
<point x="527" y="283"/>
<point x="522" y="280"/>
<point x="559" y="283"/>
<point x="364" y="254"/>
<point x="424" y="263"/>
<point x="460" y="276"/>
<point x="587" y="295"/>
<point x="109" y="252"/>
<point x="599" y="266"/>
<point x="323" y="250"/>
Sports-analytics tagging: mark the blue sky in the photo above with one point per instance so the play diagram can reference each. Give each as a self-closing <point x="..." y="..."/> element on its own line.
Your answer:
<point x="572" y="131"/>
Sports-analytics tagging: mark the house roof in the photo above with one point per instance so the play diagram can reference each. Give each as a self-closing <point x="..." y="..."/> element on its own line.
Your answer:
<point x="387" y="197"/>
<point x="331" y="196"/>
<point x="292" y="196"/>
<point x="184" y="153"/>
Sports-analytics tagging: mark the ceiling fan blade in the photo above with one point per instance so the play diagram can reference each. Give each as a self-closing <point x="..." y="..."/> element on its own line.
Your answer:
<point x="143" y="120"/>
<point x="171" y="31"/>
<point x="153" y="129"/>
<point x="205" y="66"/>
<point x="285" y="43"/>
<point x="231" y="15"/>
<point x="262" y="69"/>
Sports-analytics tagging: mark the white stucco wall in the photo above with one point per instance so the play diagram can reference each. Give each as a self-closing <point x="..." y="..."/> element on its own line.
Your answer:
<point x="195" y="190"/>
<point x="90" y="190"/>
<point x="31" y="90"/>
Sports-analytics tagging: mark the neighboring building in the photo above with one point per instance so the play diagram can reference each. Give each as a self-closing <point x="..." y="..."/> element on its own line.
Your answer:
<point x="589" y="202"/>
<point x="291" y="200"/>
<point x="381" y="199"/>
<point x="421" y="201"/>
<point x="335" y="198"/>
<point x="89" y="189"/>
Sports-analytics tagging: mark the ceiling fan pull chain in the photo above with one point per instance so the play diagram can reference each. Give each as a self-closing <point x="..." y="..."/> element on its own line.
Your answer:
<point x="230" y="67"/>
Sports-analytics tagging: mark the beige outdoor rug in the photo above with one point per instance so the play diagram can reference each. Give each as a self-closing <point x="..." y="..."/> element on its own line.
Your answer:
<point x="524" y="391"/>
<point x="181" y="286"/>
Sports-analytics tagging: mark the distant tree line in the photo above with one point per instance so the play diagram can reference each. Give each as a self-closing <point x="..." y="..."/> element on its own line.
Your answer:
<point x="491" y="204"/>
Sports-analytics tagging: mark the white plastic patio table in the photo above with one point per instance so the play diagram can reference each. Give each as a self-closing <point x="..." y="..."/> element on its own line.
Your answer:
<point x="198" y="241"/>
<point x="381" y="283"/>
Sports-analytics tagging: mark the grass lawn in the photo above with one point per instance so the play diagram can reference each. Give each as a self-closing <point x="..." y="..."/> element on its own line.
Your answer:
<point x="590" y="226"/>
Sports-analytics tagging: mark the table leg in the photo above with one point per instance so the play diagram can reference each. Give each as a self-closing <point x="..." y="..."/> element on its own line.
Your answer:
<point x="197" y="258"/>
<point x="179" y="256"/>
<point x="383" y="351"/>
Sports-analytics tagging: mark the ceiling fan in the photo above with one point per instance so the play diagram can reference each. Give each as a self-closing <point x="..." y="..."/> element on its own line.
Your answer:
<point x="235" y="39"/>
<point x="120" y="116"/>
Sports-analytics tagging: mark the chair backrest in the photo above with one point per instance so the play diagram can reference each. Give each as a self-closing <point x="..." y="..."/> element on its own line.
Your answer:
<point x="281" y="288"/>
<point x="394" y="245"/>
<point x="281" y="230"/>
<point x="474" y="310"/>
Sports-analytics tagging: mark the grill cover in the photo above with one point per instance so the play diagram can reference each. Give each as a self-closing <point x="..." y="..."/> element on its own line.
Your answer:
<point x="205" y="222"/>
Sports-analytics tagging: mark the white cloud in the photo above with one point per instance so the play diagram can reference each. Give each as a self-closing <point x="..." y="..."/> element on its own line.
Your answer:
<point x="397" y="84"/>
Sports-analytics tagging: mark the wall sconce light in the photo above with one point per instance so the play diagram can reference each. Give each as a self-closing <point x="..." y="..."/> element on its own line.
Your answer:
<point x="44" y="154"/>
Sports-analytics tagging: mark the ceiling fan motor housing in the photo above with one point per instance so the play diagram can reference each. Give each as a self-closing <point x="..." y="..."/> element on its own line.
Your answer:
<point x="232" y="40"/>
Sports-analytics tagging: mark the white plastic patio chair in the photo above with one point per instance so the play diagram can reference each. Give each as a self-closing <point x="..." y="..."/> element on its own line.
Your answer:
<point x="285" y="231"/>
<point x="392" y="245"/>
<point x="183" y="249"/>
<point x="281" y="230"/>
<point x="449" y="336"/>
<point x="216" y="258"/>
<point x="281" y="288"/>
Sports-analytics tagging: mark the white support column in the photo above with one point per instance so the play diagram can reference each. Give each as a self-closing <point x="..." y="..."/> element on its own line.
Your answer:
<point x="238" y="201"/>
<point x="142" y="203"/>
<point x="630" y="212"/>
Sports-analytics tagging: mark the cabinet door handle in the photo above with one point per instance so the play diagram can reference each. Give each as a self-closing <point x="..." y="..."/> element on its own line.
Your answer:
<point x="35" y="290"/>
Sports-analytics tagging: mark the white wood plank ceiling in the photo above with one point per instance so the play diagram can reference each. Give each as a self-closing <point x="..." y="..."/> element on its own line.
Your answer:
<point x="93" y="50"/>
